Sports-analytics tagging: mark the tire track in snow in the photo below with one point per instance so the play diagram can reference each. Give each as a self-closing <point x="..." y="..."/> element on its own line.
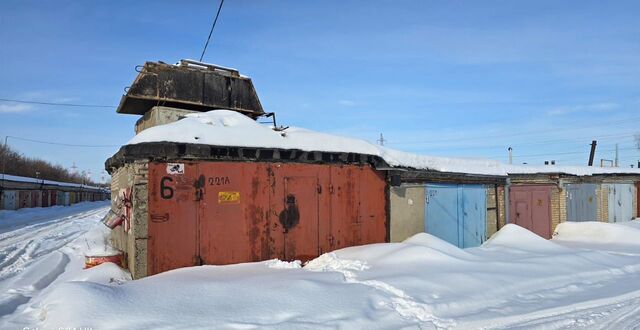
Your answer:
<point x="29" y="243"/>
<point x="619" y="312"/>
<point x="32" y="282"/>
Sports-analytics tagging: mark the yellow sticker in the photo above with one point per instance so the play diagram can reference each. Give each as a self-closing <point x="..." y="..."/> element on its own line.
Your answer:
<point x="228" y="197"/>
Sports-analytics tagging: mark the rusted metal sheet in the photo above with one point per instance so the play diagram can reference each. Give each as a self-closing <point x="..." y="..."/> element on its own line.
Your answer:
<point x="372" y="199"/>
<point x="24" y="199"/>
<point x="36" y="200"/>
<point x="173" y="221"/>
<point x="45" y="199"/>
<point x="296" y="203"/>
<point x="190" y="86"/>
<point x="233" y="212"/>
<point x="530" y="207"/>
<point x="344" y="193"/>
<point x="53" y="197"/>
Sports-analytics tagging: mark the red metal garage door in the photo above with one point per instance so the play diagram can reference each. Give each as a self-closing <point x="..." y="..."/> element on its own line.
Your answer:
<point x="233" y="212"/>
<point x="530" y="207"/>
<point x="172" y="220"/>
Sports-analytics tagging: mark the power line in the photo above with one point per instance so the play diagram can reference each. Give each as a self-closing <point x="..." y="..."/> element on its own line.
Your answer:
<point x="211" y="32"/>
<point x="567" y="141"/>
<point x="570" y="153"/>
<point x="66" y="144"/>
<point x="60" y="104"/>
<point x="600" y="124"/>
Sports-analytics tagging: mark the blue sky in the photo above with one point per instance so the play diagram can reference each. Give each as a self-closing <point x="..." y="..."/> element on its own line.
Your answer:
<point x="455" y="78"/>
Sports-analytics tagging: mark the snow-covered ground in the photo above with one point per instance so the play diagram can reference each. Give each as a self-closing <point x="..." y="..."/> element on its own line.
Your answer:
<point x="587" y="277"/>
<point x="40" y="247"/>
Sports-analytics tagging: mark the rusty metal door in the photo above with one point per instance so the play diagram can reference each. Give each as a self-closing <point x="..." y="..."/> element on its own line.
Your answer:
<point x="24" y="199"/>
<point x="294" y="223"/>
<point x="53" y="198"/>
<point x="372" y="200"/>
<point x="344" y="191"/>
<point x="35" y="198"/>
<point x="45" y="198"/>
<point x="530" y="207"/>
<point x="173" y="217"/>
<point x="234" y="208"/>
<point x="299" y="218"/>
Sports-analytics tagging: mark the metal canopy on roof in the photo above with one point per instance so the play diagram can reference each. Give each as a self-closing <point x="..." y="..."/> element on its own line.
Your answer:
<point x="190" y="85"/>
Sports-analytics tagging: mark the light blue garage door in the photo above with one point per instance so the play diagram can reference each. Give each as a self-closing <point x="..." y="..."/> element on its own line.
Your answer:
<point x="457" y="213"/>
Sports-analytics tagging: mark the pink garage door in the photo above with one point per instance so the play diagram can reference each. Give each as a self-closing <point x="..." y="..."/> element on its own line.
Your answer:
<point x="530" y="207"/>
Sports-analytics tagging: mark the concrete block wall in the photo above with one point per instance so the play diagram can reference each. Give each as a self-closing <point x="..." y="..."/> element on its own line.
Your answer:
<point x="133" y="242"/>
<point x="407" y="207"/>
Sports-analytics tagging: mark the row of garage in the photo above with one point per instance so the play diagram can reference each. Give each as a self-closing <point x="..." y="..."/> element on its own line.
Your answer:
<point x="245" y="205"/>
<point x="467" y="214"/>
<point x="19" y="192"/>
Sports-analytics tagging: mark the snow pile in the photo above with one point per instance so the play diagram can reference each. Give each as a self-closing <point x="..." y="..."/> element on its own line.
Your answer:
<point x="514" y="280"/>
<point x="230" y="128"/>
<point x="592" y="232"/>
<point x="512" y="236"/>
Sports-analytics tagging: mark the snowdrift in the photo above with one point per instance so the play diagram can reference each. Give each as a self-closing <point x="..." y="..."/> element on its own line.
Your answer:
<point x="599" y="233"/>
<point x="422" y="282"/>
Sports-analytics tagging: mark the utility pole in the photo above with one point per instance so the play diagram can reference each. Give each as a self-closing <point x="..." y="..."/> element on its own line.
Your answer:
<point x="381" y="140"/>
<point x="616" y="159"/>
<point x="592" y="153"/>
<point x="510" y="155"/>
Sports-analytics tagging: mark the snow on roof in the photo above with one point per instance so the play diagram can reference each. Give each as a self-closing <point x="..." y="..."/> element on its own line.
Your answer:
<point x="230" y="128"/>
<point x="16" y="178"/>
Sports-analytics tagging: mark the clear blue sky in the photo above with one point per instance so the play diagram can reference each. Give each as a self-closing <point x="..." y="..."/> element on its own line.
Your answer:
<point x="457" y="78"/>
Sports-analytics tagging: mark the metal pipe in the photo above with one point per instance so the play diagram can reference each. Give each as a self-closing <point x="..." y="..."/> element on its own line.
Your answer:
<point x="592" y="153"/>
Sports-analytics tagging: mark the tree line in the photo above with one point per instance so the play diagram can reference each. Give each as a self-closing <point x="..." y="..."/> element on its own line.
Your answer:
<point x="15" y="163"/>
